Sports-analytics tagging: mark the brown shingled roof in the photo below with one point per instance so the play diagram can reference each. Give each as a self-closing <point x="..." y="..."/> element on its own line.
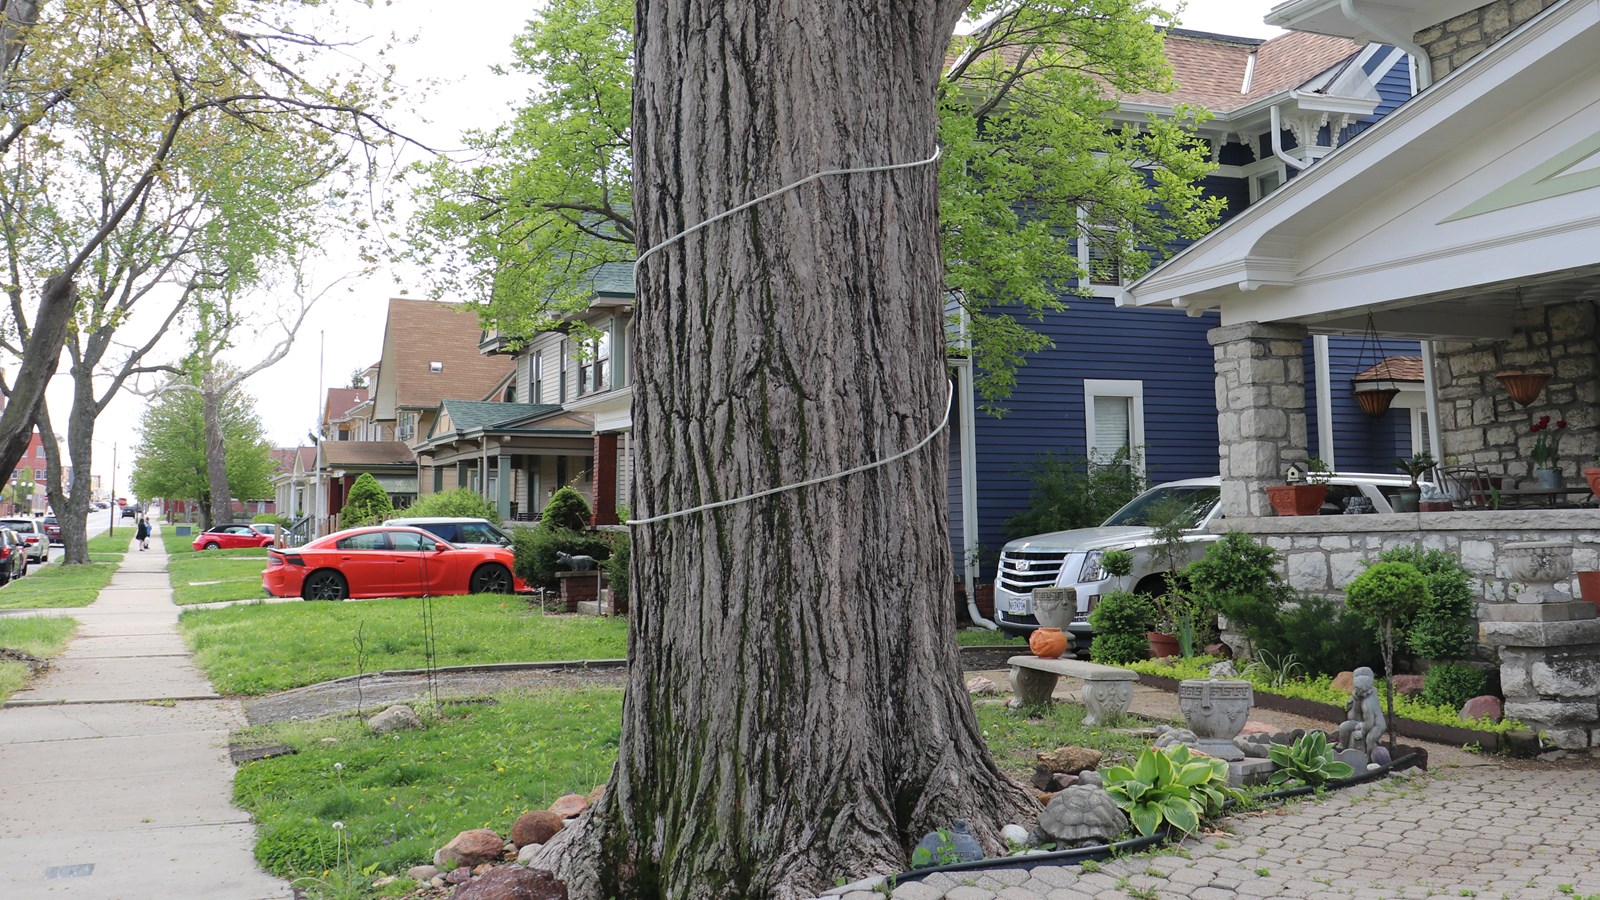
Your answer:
<point x="366" y="453"/>
<point x="1290" y="60"/>
<point x="1208" y="69"/>
<point x="426" y="331"/>
<point x="1394" y="368"/>
<point x="282" y="459"/>
<point x="340" y="401"/>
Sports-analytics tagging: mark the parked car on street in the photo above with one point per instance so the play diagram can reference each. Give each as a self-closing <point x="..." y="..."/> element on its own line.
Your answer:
<point x="13" y="556"/>
<point x="230" y="537"/>
<point x="1071" y="559"/>
<point x="461" y="531"/>
<point x="387" y="561"/>
<point x="270" y="529"/>
<point x="52" y="529"/>
<point x="32" y="534"/>
<point x="130" y="511"/>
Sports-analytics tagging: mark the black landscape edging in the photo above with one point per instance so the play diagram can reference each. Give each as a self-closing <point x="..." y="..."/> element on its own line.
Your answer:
<point x="1514" y="743"/>
<point x="1134" y="845"/>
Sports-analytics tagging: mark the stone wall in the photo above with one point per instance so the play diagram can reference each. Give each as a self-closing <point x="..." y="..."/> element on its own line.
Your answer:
<point x="1322" y="554"/>
<point x="1261" y="415"/>
<point x="1454" y="41"/>
<point x="1480" y="425"/>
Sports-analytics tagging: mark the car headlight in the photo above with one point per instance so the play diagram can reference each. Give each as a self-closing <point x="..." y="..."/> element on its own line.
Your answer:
<point x="1092" y="570"/>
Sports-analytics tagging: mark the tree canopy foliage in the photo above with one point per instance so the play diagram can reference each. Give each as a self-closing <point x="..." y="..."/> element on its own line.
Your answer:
<point x="1030" y="166"/>
<point x="170" y="461"/>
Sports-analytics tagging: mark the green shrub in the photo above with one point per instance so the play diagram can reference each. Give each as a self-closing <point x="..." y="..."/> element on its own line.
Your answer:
<point x="1173" y="786"/>
<point x="1387" y="593"/>
<point x="271" y="519"/>
<point x="1443" y="627"/>
<point x="534" y="552"/>
<point x="1237" y="565"/>
<point x="1071" y="492"/>
<point x="461" y="502"/>
<point x="1322" y="636"/>
<point x="1120" y="621"/>
<point x="617" y="566"/>
<point x="566" y="510"/>
<point x="368" y="503"/>
<point x="1451" y="685"/>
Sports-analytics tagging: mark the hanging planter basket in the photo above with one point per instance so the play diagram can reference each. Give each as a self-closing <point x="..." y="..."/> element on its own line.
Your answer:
<point x="1524" y="387"/>
<point x="1375" y="402"/>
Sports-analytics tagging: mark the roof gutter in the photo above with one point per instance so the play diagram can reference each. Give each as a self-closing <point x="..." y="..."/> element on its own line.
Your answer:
<point x="1422" y="66"/>
<point x="1277" y="143"/>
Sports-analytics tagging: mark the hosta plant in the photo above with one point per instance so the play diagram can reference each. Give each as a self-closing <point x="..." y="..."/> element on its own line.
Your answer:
<point x="1174" y="786"/>
<point x="1309" y="761"/>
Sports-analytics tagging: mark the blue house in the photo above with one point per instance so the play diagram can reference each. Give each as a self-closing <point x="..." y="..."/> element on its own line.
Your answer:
<point x="1145" y="381"/>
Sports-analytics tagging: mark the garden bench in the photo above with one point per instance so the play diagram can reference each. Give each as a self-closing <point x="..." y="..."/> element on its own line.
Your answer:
<point x="1107" y="690"/>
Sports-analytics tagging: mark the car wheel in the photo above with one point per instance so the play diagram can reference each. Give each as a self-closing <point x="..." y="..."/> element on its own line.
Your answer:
<point x="325" y="585"/>
<point x="212" y="545"/>
<point x="491" y="580"/>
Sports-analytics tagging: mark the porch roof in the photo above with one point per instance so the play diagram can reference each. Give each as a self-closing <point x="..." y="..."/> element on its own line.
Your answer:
<point x="1475" y="197"/>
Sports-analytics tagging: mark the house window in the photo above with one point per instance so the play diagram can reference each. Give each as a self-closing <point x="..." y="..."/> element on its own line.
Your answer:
<point x="594" y="367"/>
<point x="1114" y="421"/>
<point x="511" y="393"/>
<point x="1265" y="183"/>
<point x="561" y="385"/>
<point x="408" y="426"/>
<point x="536" y="378"/>
<point x="1100" y="250"/>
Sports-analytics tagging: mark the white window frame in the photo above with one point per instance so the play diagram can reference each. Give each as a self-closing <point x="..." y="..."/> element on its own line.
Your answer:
<point x="406" y="429"/>
<point x="1084" y="227"/>
<point x="536" y="377"/>
<point x="1132" y="389"/>
<point x="1255" y="171"/>
<point x="1414" y="401"/>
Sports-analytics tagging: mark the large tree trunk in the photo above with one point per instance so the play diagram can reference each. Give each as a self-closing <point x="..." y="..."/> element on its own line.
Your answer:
<point x="71" y="507"/>
<point x="39" y="357"/>
<point x="794" y="712"/>
<point x="221" y="505"/>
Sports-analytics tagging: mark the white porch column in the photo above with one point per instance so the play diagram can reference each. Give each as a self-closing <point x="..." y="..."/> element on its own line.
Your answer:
<point x="1261" y="410"/>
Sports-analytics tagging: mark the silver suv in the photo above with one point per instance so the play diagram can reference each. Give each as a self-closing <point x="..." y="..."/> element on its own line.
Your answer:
<point x="1071" y="559"/>
<point x="462" y="532"/>
<point x="32" y="533"/>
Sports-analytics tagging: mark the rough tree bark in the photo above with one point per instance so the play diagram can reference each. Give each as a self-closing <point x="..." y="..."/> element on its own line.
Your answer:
<point x="794" y="710"/>
<point x="39" y="357"/>
<point x="220" y="497"/>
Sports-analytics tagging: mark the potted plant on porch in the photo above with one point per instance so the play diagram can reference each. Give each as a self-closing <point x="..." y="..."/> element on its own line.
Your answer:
<point x="1591" y="474"/>
<point x="1547" y="452"/>
<point x="1302" y="495"/>
<point x="1407" y="499"/>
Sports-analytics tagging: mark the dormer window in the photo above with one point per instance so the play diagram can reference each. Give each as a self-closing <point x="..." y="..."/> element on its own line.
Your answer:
<point x="436" y="367"/>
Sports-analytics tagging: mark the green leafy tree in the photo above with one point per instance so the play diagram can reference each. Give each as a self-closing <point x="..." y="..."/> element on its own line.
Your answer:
<point x="170" y="460"/>
<point x="1029" y="167"/>
<point x="1387" y="594"/>
<point x="463" y="502"/>
<point x="367" y="504"/>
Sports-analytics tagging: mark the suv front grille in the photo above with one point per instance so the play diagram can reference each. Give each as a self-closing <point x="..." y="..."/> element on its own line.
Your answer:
<point x="1024" y="570"/>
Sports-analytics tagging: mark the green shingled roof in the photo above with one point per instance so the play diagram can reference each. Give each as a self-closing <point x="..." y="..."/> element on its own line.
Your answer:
<point x="614" y="278"/>
<point x="470" y="415"/>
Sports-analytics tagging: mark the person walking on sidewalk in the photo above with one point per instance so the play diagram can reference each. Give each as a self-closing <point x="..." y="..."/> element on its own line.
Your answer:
<point x="142" y="533"/>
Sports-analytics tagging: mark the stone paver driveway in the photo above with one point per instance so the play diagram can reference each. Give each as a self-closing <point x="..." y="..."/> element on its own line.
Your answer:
<point x="1487" y="831"/>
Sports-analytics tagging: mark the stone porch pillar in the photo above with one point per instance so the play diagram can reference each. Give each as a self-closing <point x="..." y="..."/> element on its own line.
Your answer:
<point x="605" y="479"/>
<point x="1261" y="415"/>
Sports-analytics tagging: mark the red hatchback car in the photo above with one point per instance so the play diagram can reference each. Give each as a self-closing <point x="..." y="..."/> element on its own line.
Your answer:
<point x="231" y="537"/>
<point x="387" y="562"/>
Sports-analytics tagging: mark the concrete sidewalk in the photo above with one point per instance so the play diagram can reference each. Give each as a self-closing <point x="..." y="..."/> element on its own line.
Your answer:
<point x="114" y="769"/>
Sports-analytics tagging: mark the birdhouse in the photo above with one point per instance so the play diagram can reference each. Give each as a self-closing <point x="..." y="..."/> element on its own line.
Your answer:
<point x="1295" y="475"/>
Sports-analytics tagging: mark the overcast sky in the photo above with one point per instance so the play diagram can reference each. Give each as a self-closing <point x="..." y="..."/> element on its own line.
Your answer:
<point x="458" y="51"/>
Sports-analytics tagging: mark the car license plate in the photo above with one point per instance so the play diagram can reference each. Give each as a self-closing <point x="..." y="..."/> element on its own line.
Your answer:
<point x="1019" y="605"/>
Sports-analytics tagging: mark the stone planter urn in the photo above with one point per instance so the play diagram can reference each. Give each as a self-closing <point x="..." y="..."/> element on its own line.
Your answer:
<point x="1055" y="607"/>
<point x="1216" y="710"/>
<point x="1539" y="566"/>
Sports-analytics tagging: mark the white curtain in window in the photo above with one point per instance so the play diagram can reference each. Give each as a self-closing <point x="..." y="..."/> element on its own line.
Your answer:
<point x="1113" y="417"/>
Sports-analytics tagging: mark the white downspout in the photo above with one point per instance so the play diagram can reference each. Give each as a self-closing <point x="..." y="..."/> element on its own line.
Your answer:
<point x="1421" y="66"/>
<point x="1325" y="449"/>
<point x="1277" y="142"/>
<point x="969" y="481"/>
<point x="1430" y="397"/>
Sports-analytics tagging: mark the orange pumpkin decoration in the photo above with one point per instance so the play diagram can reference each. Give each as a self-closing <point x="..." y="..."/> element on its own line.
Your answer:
<point x="1048" y="643"/>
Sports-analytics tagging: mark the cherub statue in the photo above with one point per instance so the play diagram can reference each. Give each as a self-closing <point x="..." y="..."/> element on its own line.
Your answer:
<point x="1365" y="727"/>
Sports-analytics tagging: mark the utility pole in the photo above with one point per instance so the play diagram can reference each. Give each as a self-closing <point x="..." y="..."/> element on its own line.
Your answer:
<point x="113" y="508"/>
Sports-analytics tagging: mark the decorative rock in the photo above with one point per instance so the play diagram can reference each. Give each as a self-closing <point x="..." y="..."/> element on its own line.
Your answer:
<point x="1253" y="727"/>
<point x="1014" y="833"/>
<point x="1060" y="782"/>
<point x="422" y="873"/>
<point x="979" y="686"/>
<point x="1484" y="707"/>
<point x="528" y="852"/>
<point x="1070" y="760"/>
<point x="481" y="868"/>
<point x="458" y="876"/>
<point x="437" y="881"/>
<point x="1343" y="681"/>
<point x="1219" y="649"/>
<point x="1380" y="755"/>
<point x="536" y="827"/>
<point x="960" y="844"/>
<point x="469" y="848"/>
<point x="1253" y="749"/>
<point x="1407" y="685"/>
<point x="569" y="806"/>
<point x="1091" y="778"/>
<point x="1356" y="759"/>
<point x="513" y="883"/>
<point x="1166" y="736"/>
<point x="385" y="881"/>
<point x="1224" y="669"/>
<point x="395" y="718"/>
<point x="1082" y="813"/>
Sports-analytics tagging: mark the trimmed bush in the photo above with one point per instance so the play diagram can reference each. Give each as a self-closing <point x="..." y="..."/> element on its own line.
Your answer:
<point x="368" y="503"/>
<point x="1120" y="621"/>
<point x="535" y="549"/>
<point x="1451" y="685"/>
<point x="1324" y="637"/>
<point x="1442" y="627"/>
<point x="566" y="511"/>
<point x="461" y="502"/>
<point x="617" y="566"/>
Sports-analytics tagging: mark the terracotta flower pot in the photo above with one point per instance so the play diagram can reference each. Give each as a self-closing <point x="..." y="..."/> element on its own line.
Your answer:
<point x="1593" y="477"/>
<point x="1589" y="588"/>
<point x="1162" y="645"/>
<point x="1297" y="499"/>
<point x="1048" y="643"/>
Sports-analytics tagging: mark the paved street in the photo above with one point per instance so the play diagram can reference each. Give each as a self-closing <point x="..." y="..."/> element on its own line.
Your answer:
<point x="1485" y="831"/>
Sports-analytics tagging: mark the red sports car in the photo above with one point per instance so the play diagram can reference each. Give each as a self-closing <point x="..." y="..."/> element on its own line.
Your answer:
<point x="231" y="537"/>
<point x="387" y="562"/>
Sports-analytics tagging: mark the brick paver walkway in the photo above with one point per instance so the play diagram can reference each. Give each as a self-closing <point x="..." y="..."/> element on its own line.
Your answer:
<point x="1487" y="832"/>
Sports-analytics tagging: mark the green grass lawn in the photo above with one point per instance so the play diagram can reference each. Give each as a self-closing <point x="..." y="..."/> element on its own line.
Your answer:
<point x="983" y="637"/>
<point x="111" y="543"/>
<point x="236" y="575"/>
<point x="56" y="586"/>
<point x="261" y="648"/>
<point x="178" y="546"/>
<point x="402" y="796"/>
<point x="38" y="635"/>
<point x="1014" y="737"/>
